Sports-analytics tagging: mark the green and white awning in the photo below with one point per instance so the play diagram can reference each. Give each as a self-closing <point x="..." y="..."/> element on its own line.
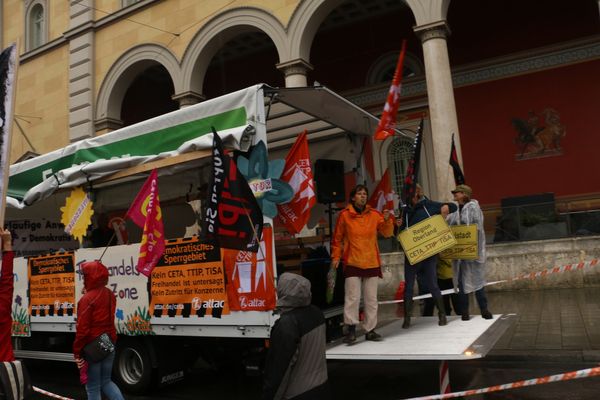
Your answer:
<point x="234" y="116"/>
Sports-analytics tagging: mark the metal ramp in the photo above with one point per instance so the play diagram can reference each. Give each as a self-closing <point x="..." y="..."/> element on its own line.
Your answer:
<point x="425" y="340"/>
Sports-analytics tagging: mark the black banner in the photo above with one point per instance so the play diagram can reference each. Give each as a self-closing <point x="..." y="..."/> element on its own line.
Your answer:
<point x="233" y="217"/>
<point x="412" y="172"/>
<point x="459" y="177"/>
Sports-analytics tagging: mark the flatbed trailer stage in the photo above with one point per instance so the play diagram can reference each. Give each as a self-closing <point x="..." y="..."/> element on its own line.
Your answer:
<point x="425" y="340"/>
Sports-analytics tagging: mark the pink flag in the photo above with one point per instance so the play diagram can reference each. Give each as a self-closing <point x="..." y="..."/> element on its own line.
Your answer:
<point x="145" y="212"/>
<point x="383" y="195"/>
<point x="298" y="173"/>
<point x="387" y="123"/>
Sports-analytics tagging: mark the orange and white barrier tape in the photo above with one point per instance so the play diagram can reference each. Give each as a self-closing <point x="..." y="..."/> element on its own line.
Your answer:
<point x="444" y="378"/>
<point x="567" y="376"/>
<point x="50" y="394"/>
<point x="531" y="275"/>
<point x="554" y="270"/>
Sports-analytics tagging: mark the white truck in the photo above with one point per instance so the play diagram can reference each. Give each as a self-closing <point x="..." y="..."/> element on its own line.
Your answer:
<point x="200" y="301"/>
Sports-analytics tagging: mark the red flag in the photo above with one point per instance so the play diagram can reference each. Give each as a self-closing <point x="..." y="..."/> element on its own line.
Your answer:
<point x="383" y="195"/>
<point x="387" y="123"/>
<point x="250" y="282"/>
<point x="298" y="173"/>
<point x="145" y="212"/>
<point x="367" y="152"/>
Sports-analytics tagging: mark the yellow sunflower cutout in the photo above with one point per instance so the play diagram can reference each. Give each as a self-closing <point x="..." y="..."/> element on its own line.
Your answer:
<point x="77" y="214"/>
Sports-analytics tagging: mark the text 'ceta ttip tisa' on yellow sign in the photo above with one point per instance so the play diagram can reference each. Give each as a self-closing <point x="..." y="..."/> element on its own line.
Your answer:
<point x="467" y="243"/>
<point x="425" y="239"/>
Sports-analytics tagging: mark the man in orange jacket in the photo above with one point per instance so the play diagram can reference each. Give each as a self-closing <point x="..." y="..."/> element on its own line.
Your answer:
<point x="355" y="243"/>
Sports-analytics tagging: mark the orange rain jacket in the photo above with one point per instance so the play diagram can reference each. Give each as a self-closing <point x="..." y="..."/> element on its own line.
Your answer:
<point x="356" y="234"/>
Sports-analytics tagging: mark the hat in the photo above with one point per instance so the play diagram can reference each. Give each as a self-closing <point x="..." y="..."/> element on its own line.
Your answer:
<point x="463" y="188"/>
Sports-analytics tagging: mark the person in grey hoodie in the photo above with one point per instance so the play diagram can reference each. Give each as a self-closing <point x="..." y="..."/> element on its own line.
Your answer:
<point x="296" y="367"/>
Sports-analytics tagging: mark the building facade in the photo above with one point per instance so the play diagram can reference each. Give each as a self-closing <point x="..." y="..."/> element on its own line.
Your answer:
<point x="516" y="82"/>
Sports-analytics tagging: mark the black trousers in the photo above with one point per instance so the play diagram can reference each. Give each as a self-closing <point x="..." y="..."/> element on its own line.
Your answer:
<point x="427" y="272"/>
<point x="444" y="284"/>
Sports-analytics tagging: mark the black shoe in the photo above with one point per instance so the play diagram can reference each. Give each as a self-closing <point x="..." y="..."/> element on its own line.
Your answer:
<point x="350" y="335"/>
<point x="442" y="320"/>
<point x="485" y="314"/>
<point x="465" y="317"/>
<point x="406" y="323"/>
<point x="373" y="336"/>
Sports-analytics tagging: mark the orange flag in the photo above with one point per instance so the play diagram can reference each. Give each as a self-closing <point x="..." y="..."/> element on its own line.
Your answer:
<point x="387" y="123"/>
<point x="145" y="212"/>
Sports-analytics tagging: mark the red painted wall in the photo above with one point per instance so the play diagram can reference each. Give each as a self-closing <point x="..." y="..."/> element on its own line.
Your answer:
<point x="487" y="135"/>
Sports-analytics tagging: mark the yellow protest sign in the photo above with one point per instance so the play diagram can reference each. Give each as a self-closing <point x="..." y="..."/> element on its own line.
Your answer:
<point x="467" y="243"/>
<point x="426" y="239"/>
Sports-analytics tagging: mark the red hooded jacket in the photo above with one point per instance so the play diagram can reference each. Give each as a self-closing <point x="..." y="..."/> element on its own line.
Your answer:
<point x="96" y="309"/>
<point x="6" y="297"/>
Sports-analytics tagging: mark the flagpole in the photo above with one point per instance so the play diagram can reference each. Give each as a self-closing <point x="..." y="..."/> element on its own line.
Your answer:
<point x="109" y="242"/>
<point x="253" y="229"/>
<point x="414" y="172"/>
<point x="8" y="119"/>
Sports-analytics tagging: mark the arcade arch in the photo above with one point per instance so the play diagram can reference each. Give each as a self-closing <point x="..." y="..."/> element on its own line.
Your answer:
<point x="121" y="76"/>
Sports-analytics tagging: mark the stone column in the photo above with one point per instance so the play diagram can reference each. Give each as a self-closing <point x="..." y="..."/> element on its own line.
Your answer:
<point x="189" y="98"/>
<point x="442" y="107"/>
<point x="81" y="70"/>
<point x="295" y="72"/>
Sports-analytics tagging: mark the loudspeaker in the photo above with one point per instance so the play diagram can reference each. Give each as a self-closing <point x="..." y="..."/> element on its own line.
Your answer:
<point x="329" y="178"/>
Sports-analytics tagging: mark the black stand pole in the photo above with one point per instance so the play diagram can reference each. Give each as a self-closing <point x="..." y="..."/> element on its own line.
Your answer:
<point x="330" y="212"/>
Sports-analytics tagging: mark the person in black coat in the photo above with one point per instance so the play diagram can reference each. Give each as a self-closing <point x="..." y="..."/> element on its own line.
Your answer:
<point x="296" y="367"/>
<point x="421" y="209"/>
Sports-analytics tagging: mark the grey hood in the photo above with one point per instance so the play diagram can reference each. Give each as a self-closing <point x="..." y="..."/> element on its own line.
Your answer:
<point x="293" y="291"/>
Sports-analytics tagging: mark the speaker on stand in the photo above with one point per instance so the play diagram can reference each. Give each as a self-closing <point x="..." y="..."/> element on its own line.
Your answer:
<point x="329" y="180"/>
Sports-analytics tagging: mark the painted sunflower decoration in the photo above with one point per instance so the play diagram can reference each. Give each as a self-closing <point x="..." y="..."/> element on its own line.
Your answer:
<point x="263" y="177"/>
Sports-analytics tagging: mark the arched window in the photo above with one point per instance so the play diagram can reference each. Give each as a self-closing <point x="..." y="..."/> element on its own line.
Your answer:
<point x="382" y="70"/>
<point x="36" y="25"/>
<point x="398" y="156"/>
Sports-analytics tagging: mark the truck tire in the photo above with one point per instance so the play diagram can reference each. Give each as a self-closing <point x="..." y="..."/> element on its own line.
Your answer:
<point x="133" y="366"/>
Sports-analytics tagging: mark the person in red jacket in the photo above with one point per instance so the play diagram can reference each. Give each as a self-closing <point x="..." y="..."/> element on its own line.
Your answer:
<point x="355" y="243"/>
<point x="95" y="316"/>
<point x="6" y="297"/>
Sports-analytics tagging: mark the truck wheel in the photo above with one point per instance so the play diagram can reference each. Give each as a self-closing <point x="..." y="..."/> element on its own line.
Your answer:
<point x="133" y="366"/>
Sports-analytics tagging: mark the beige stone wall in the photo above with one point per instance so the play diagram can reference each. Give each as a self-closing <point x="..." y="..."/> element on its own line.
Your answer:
<point x="58" y="21"/>
<point x="102" y="7"/>
<point x="43" y="98"/>
<point x="14" y="20"/>
<point x="510" y="260"/>
<point x="186" y="17"/>
<point x="12" y="23"/>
